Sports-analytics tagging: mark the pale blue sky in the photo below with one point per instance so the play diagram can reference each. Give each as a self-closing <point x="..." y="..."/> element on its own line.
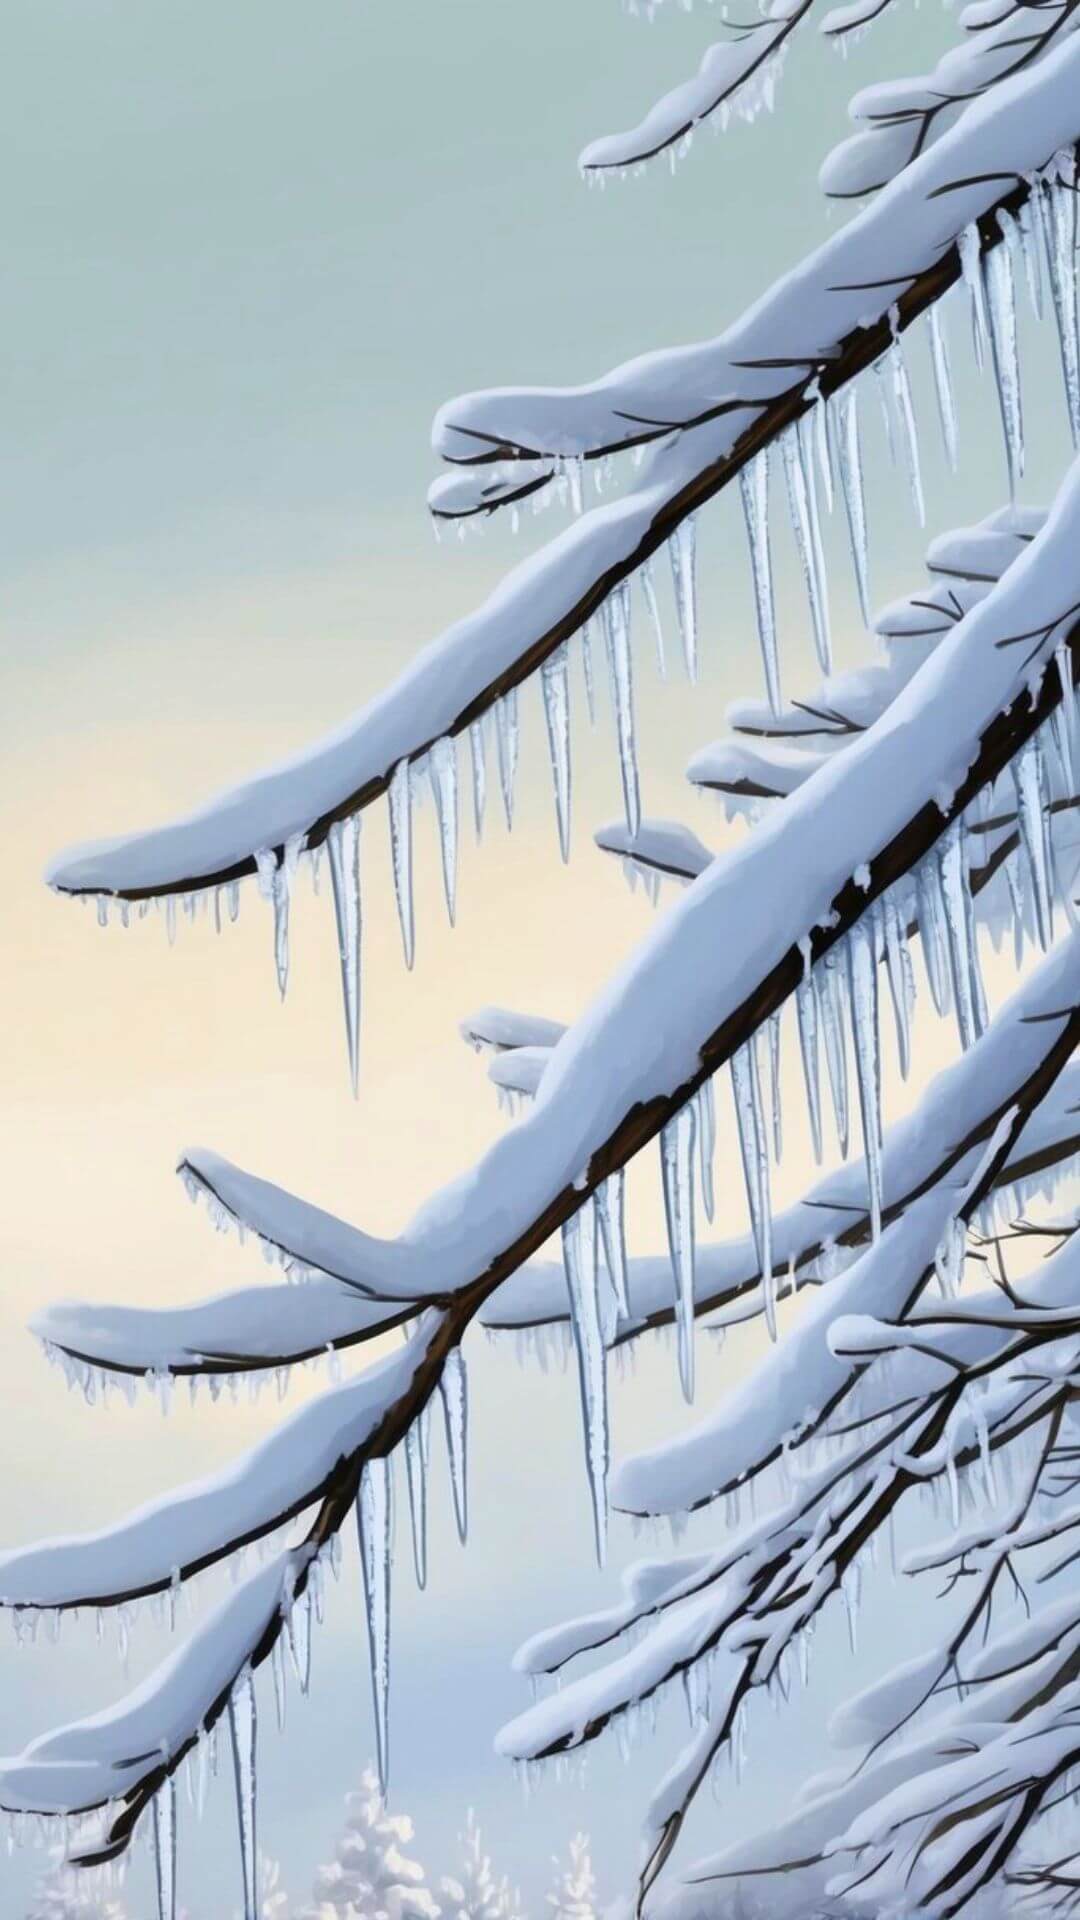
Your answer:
<point x="250" y="247"/>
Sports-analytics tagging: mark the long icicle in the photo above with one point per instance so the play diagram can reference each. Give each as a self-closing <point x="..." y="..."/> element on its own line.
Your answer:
<point x="905" y="408"/>
<point x="582" y="1283"/>
<point x="797" y="482"/>
<point x="417" y="1457"/>
<point x="555" y="685"/>
<point x="506" y="740"/>
<point x="831" y="995"/>
<point x="754" y="488"/>
<point x="374" y="1518"/>
<point x="243" y="1726"/>
<point x="343" y="847"/>
<point x="682" y="549"/>
<point x="806" y="1017"/>
<point x="1001" y="304"/>
<point x="442" y="772"/>
<point x="165" y="1849"/>
<point x="648" y="588"/>
<point x="617" y="635"/>
<point x="849" y="458"/>
<point x="677" y="1163"/>
<point x="901" y="979"/>
<point x="399" y="797"/>
<point x="478" y="761"/>
<point x="754" y="1151"/>
<point x="1058" y="206"/>
<point x="862" y="965"/>
<point x="943" y="386"/>
<point x="611" y="1216"/>
<point x="454" y="1393"/>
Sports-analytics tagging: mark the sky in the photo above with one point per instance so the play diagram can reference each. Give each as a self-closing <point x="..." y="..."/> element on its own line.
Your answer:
<point x="250" y="248"/>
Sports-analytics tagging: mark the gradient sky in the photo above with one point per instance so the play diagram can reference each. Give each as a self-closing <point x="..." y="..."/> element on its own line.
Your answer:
<point x="250" y="248"/>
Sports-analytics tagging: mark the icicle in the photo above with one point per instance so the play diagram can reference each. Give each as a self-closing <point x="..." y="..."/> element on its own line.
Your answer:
<point x="277" y="1668"/>
<point x="817" y="545"/>
<point x="374" y="1517"/>
<point x="822" y="428"/>
<point x="901" y="387"/>
<point x="886" y="410"/>
<point x="806" y="1016"/>
<point x="706" y="1110"/>
<point x="478" y="761"/>
<point x="298" y="1629"/>
<point x="1029" y="226"/>
<point x="831" y="994"/>
<point x="933" y="933"/>
<point x="648" y="588"/>
<point x="901" y="978"/>
<point x="681" y="548"/>
<point x="343" y="847"/>
<point x="1067" y="709"/>
<point x="775" y="1104"/>
<point x="399" y="795"/>
<point x="1060" y="232"/>
<point x="1029" y="782"/>
<point x="611" y="1215"/>
<point x="754" y="487"/>
<point x="677" y="1162"/>
<point x="849" y="459"/>
<point x="442" y="772"/>
<point x="943" y="387"/>
<point x="555" y="683"/>
<point x="753" y="1147"/>
<point x="587" y="670"/>
<point x="165" y="1849"/>
<point x="969" y="246"/>
<point x="454" y="1393"/>
<point x="960" y="927"/>
<point x="243" y="1726"/>
<point x="617" y="633"/>
<point x="862" y="967"/>
<point x="506" y="740"/>
<point x="1001" y="302"/>
<point x="798" y="483"/>
<point x="582" y="1283"/>
<point x="274" y="878"/>
<point x="417" y="1454"/>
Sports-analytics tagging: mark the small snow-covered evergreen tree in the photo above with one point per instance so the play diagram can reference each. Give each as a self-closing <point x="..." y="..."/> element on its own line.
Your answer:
<point x="477" y="1894"/>
<point x="914" y="806"/>
<point x="371" y="1876"/>
<point x="574" y="1897"/>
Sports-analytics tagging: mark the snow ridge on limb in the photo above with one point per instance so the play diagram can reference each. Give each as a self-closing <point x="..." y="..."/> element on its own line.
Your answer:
<point x="823" y="320"/>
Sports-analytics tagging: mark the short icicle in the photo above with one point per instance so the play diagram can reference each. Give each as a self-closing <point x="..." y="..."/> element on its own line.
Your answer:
<point x="677" y="1163"/>
<point x="617" y="635"/>
<point x="454" y="1393"/>
<point x="611" y="1217"/>
<point x="375" y="1517"/>
<point x="343" y="847"/>
<point x="968" y="996"/>
<point x="274" y="879"/>
<point x="243" y="1728"/>
<point x="682" y="549"/>
<point x="399" y="796"/>
<point x="901" y="978"/>
<point x="417" y="1457"/>
<point x="165" y="1849"/>
<point x="831" y="995"/>
<point x="583" y="1286"/>
<point x="754" y="488"/>
<point x="754" y="1151"/>
<point x="1029" y="780"/>
<point x="507" y="740"/>
<point x="442" y="772"/>
<point x="478" y="764"/>
<point x="706" y="1144"/>
<point x="806" y="1019"/>
<point x="555" y="683"/>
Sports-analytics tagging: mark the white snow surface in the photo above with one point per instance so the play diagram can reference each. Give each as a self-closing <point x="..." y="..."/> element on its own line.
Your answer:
<point x="666" y="846"/>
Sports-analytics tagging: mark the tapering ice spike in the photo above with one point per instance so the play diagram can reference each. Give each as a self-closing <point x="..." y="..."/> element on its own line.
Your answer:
<point x="820" y="416"/>
<point x="617" y="635"/>
<point x="277" y="1671"/>
<point x="555" y="684"/>
<point x="754" y="488"/>
<point x="399" y="796"/>
<point x="507" y="739"/>
<point x="165" y="1849"/>
<point x="1029" y="781"/>
<point x="1060" y="228"/>
<point x="454" y="1393"/>
<point x="849" y="460"/>
<point x="677" y="1164"/>
<point x="274" y="880"/>
<point x="706" y="1117"/>
<point x="934" y="935"/>
<point x="575" y="474"/>
<point x="822" y="639"/>
<point x="681" y="548"/>
<point x="587" y="670"/>
<point x="861" y="946"/>
<point x="1029" y="229"/>
<point x="243" y="1728"/>
<point x="806" y="1017"/>
<point x="901" y="978"/>
<point x="298" y="1633"/>
<point x="417" y="1454"/>
<point x="478" y="762"/>
<point x="905" y="409"/>
<point x="1001" y="305"/>
<point x="375" y="1519"/>
<point x="885" y="398"/>
<point x="648" y="588"/>
<point x="1066" y="711"/>
<point x="960" y="927"/>
<point x="943" y="386"/>
<point x="582" y="1282"/>
<point x="343" y="847"/>
<point x="753" y="1148"/>
<point x="969" y="244"/>
<point x="443" y="775"/>
<point x="832" y="995"/>
<point x="611" y="1217"/>
<point x="797" y="481"/>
